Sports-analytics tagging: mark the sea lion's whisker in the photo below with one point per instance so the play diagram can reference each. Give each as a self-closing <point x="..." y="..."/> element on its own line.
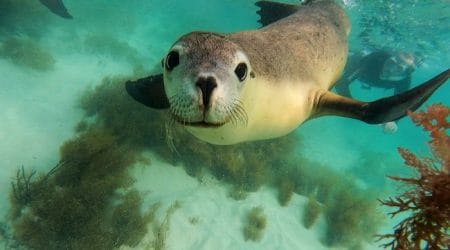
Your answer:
<point x="229" y="113"/>
<point x="240" y="112"/>
<point x="168" y="124"/>
<point x="238" y="116"/>
<point x="235" y="116"/>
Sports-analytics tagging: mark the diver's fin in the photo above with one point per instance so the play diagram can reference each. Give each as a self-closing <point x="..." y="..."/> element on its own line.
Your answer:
<point x="271" y="12"/>
<point x="149" y="91"/>
<point x="382" y="110"/>
<point x="57" y="7"/>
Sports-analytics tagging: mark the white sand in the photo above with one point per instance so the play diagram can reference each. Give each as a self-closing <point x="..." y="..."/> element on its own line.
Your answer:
<point x="221" y="218"/>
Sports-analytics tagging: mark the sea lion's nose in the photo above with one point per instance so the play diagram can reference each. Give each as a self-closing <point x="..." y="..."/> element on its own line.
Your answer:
<point x="206" y="86"/>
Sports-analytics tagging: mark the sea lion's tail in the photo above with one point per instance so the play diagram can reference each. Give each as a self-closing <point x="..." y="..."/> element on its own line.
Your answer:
<point x="379" y="111"/>
<point x="57" y="7"/>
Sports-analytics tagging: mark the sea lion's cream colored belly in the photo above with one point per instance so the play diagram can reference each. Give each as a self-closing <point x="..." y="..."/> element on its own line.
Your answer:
<point x="273" y="109"/>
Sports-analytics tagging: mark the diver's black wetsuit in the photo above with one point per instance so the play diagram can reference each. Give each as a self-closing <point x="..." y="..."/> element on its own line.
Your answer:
<point x="367" y="69"/>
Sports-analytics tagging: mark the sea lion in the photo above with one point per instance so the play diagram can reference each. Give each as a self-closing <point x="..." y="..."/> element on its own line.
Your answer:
<point x="57" y="7"/>
<point x="261" y="84"/>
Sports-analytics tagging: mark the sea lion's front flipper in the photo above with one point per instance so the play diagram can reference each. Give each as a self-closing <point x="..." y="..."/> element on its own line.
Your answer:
<point x="149" y="91"/>
<point x="271" y="12"/>
<point x="382" y="110"/>
<point x="57" y="7"/>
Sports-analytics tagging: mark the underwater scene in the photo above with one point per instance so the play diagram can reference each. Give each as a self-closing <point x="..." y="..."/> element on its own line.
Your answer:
<point x="312" y="124"/>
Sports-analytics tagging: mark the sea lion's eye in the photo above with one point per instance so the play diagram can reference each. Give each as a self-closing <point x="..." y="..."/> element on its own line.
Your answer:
<point x="172" y="60"/>
<point x="241" y="71"/>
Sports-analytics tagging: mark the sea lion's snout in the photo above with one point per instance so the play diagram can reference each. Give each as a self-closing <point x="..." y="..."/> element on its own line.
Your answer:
<point x="206" y="85"/>
<point x="204" y="74"/>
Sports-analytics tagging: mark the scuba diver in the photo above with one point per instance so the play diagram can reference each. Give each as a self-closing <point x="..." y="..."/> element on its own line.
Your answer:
<point x="381" y="69"/>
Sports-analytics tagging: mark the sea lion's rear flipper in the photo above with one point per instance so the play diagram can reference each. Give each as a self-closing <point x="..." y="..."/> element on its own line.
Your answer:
<point x="149" y="91"/>
<point x="57" y="7"/>
<point x="382" y="110"/>
<point x="271" y="12"/>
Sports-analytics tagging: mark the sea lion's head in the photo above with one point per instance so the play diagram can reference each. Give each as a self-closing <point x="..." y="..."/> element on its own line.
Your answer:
<point x="204" y="74"/>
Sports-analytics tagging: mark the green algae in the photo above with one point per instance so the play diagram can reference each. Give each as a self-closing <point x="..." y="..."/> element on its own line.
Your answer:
<point x="351" y="217"/>
<point x="254" y="225"/>
<point x="133" y="124"/>
<point x="351" y="214"/>
<point x="311" y="212"/>
<point x="77" y="205"/>
<point x="26" y="53"/>
<point x="285" y="190"/>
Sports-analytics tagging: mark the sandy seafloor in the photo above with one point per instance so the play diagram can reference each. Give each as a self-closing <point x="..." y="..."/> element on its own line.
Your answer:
<point x="38" y="112"/>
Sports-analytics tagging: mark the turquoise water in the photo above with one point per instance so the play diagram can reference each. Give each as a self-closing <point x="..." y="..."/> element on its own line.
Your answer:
<point x="48" y="63"/>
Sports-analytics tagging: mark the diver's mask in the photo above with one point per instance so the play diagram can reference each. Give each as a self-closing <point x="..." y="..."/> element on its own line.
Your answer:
<point x="397" y="67"/>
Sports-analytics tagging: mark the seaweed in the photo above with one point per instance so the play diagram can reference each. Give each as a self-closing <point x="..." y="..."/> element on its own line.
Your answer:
<point x="426" y="199"/>
<point x="351" y="217"/>
<point x="5" y="236"/>
<point x="311" y="212"/>
<point x="254" y="225"/>
<point x="237" y="193"/>
<point x="77" y="205"/>
<point x="350" y="212"/>
<point x="27" y="53"/>
<point x="327" y="181"/>
<point x="21" y="193"/>
<point x="286" y="190"/>
<point x="129" y="225"/>
<point x="131" y="123"/>
<point x="295" y="171"/>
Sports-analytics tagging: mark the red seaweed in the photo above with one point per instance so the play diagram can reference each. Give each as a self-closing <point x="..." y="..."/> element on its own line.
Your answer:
<point x="427" y="197"/>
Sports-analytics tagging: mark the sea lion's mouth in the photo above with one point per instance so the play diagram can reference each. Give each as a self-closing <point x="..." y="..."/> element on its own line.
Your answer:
<point x="200" y="124"/>
<point x="234" y="114"/>
<point x="203" y="124"/>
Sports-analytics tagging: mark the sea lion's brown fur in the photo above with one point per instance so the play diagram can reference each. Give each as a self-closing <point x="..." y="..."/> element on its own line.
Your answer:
<point x="309" y="45"/>
<point x="293" y="61"/>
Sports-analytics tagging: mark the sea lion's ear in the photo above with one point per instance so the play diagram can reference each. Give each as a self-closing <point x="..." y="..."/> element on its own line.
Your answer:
<point x="379" y="111"/>
<point x="271" y="12"/>
<point x="149" y="91"/>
